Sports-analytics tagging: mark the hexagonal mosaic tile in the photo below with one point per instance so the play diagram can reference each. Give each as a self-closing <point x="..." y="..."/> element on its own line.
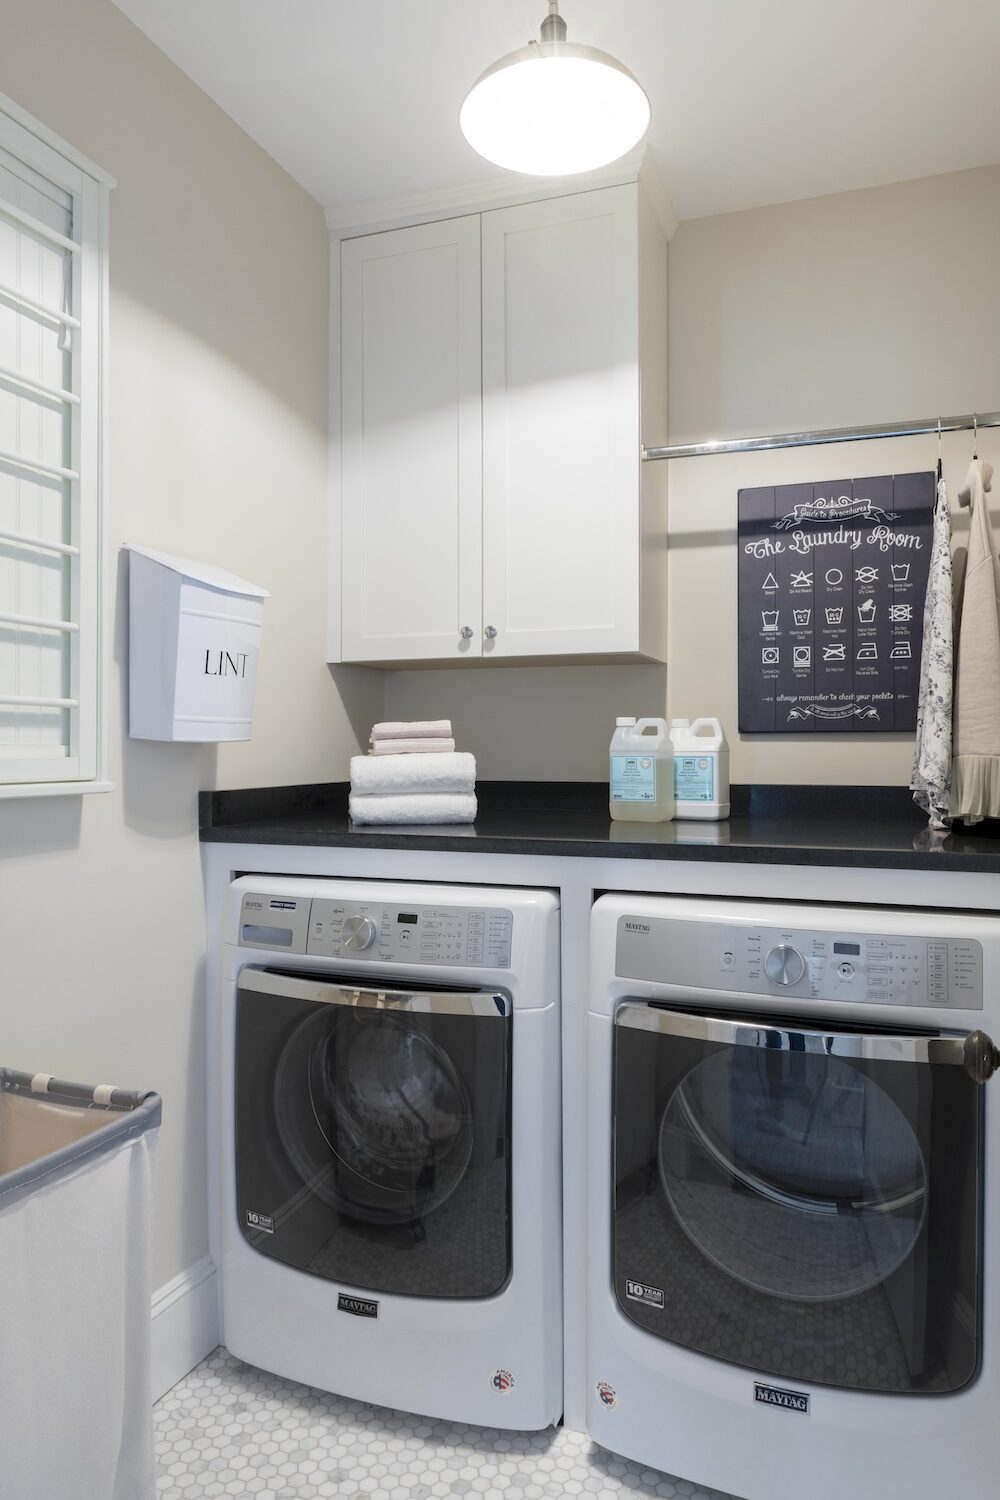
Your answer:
<point x="233" y="1432"/>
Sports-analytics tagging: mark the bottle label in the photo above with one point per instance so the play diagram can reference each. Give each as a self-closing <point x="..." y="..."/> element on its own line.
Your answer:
<point x="694" y="778"/>
<point x="633" y="778"/>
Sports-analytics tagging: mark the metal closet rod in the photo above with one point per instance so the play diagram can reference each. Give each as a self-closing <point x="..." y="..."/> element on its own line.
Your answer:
<point x="821" y="437"/>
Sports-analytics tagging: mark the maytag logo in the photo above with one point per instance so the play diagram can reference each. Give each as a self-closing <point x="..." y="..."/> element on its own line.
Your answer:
<point x="774" y="1395"/>
<point x="641" y="927"/>
<point x="640" y="1291"/>
<point x="359" y="1307"/>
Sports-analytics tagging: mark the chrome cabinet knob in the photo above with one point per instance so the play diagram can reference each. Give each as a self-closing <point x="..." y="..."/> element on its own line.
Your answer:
<point x="466" y="632"/>
<point x="784" y="964"/>
<point x="358" y="933"/>
<point x="490" y="632"/>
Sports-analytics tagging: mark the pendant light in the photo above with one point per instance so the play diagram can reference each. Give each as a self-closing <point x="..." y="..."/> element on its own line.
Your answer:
<point x="554" y="107"/>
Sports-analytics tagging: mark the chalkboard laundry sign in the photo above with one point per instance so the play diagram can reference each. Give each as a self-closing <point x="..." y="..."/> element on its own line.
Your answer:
<point x="832" y="578"/>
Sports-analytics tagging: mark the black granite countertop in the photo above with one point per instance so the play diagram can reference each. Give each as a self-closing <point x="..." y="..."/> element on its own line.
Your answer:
<point x="861" y="827"/>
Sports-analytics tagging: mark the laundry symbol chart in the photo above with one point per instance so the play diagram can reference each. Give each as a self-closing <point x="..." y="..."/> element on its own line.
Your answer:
<point x="828" y="619"/>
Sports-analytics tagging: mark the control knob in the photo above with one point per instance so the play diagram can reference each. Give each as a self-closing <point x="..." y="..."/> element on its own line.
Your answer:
<point x="784" y="964"/>
<point x="358" y="933"/>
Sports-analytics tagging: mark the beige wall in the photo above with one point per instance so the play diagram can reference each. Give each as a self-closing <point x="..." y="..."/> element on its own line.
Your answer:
<point x="852" y="309"/>
<point x="218" y="451"/>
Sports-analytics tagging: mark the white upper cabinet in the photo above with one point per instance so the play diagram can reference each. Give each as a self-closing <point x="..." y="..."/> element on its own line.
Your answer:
<point x="494" y="502"/>
<point x="561" y="427"/>
<point x="412" y="443"/>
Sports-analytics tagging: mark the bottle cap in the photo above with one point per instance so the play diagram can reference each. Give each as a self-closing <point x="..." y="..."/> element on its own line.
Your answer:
<point x="624" y="723"/>
<point x="680" y="723"/>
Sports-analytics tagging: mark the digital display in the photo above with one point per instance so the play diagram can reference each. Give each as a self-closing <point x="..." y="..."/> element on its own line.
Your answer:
<point x="409" y="917"/>
<point x="853" y="948"/>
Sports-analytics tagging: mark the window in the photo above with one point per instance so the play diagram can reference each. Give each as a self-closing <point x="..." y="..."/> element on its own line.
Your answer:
<point x="53" y="305"/>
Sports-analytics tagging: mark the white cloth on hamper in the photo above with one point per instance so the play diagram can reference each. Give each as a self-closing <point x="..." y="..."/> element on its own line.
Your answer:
<point x="423" y="746"/>
<point x="393" y="729"/>
<point x="930" y="781"/>
<point x="75" y="1374"/>
<point x="381" y="775"/>
<point x="418" y="808"/>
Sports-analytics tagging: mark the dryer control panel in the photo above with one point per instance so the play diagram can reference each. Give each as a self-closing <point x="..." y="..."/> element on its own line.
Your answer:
<point x="877" y="968"/>
<point x="467" y="937"/>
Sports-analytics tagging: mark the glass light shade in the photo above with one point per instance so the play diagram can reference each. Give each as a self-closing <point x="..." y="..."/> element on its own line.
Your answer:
<point x="554" y="108"/>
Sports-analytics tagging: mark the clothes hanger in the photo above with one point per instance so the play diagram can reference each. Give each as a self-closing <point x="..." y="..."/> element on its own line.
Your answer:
<point x="939" y="470"/>
<point x="975" y="437"/>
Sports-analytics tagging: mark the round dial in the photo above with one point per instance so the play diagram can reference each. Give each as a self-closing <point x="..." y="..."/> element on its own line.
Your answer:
<point x="784" y="964"/>
<point x="358" y="933"/>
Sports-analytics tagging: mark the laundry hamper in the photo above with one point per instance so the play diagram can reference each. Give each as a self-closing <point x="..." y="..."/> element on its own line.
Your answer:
<point x="76" y="1170"/>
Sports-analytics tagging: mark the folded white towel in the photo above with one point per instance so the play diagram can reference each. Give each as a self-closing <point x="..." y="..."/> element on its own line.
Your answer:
<point x="423" y="746"/>
<point x="381" y="775"/>
<point x="393" y="729"/>
<point x="425" y="808"/>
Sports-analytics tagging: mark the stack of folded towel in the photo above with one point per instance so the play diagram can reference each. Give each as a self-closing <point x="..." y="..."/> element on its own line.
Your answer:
<point x="413" y="775"/>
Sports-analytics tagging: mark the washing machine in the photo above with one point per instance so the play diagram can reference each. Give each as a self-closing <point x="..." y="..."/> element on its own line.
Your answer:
<point x="794" y="1196"/>
<point x="387" y="1224"/>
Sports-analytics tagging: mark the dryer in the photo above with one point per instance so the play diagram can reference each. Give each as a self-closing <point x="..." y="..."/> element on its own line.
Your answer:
<point x="794" y="1196"/>
<point x="388" y="1219"/>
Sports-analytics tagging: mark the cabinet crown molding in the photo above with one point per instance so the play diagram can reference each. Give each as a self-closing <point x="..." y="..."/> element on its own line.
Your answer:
<point x="348" y="220"/>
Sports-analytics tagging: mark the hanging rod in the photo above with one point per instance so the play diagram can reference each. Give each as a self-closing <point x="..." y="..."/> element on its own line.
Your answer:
<point x="25" y="700"/>
<point x="55" y="392"/>
<point x="39" y="227"/>
<point x="23" y="539"/>
<point x="51" y="471"/>
<point x="40" y="309"/>
<point x="828" y="435"/>
<point x="36" y="622"/>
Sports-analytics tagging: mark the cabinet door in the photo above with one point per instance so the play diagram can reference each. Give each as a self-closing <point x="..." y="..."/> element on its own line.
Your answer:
<point x="561" y="426"/>
<point x="412" y="443"/>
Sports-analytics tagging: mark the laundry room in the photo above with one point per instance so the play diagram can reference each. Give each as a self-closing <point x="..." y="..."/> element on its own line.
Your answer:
<point x="499" y="749"/>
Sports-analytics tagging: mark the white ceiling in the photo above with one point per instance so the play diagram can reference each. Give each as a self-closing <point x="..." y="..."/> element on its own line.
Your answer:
<point x="754" y="101"/>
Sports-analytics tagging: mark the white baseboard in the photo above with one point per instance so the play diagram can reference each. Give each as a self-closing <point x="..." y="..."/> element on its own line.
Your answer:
<point x="185" y="1324"/>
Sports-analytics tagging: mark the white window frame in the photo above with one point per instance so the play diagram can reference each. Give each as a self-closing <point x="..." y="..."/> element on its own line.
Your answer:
<point x="88" y="186"/>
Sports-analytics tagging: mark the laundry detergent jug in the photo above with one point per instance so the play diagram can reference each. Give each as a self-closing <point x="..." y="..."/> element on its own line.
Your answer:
<point x="701" y="768"/>
<point x="642" y="771"/>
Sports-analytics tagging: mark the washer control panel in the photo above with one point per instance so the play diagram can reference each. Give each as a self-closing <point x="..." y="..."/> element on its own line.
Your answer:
<point x="470" y="937"/>
<point x="876" y="968"/>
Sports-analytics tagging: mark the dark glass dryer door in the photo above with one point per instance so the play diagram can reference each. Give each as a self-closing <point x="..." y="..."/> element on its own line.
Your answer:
<point x="373" y="1132"/>
<point x="805" y="1203"/>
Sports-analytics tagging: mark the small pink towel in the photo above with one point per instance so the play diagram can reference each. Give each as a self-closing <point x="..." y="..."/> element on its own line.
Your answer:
<point x="393" y="729"/>
<point x="413" y="747"/>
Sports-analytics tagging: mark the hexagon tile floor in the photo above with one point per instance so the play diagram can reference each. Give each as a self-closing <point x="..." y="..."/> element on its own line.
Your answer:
<point x="228" y="1430"/>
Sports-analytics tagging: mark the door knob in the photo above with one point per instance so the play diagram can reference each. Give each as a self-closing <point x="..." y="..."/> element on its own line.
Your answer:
<point x="490" y="632"/>
<point x="466" y="632"/>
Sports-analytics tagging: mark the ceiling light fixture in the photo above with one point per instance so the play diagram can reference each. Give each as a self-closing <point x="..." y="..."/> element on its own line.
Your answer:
<point x="554" y="107"/>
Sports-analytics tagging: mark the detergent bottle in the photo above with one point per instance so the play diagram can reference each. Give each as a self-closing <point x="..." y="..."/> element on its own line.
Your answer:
<point x="642" y="771"/>
<point x="701" y="768"/>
